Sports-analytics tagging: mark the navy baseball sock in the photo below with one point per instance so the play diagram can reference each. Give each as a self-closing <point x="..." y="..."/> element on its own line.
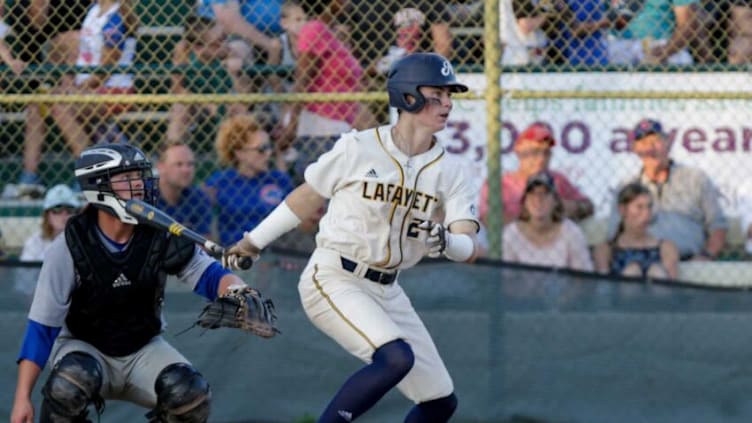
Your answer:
<point x="391" y="362"/>
<point x="434" y="411"/>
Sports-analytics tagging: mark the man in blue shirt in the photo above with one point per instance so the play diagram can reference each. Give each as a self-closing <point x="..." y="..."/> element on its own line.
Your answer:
<point x="178" y="196"/>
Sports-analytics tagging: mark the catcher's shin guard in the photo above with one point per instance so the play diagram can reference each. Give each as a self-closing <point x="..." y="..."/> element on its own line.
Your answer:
<point x="73" y="384"/>
<point x="183" y="396"/>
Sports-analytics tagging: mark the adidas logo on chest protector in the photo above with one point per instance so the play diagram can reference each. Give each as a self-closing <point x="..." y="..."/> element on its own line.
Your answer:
<point x="121" y="281"/>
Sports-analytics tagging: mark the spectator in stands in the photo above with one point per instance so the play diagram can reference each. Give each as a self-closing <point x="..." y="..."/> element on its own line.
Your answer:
<point x="60" y="203"/>
<point x="43" y="32"/>
<point x="323" y="65"/>
<point x="202" y="44"/>
<point x="389" y="29"/>
<point x="106" y="39"/>
<point x="745" y="211"/>
<point x="659" y="33"/>
<point x="533" y="148"/>
<point x="542" y="235"/>
<point x="523" y="40"/>
<point x="740" y="32"/>
<point x="413" y="28"/>
<point x="687" y="208"/>
<point x="247" y="190"/>
<point x="255" y="22"/>
<point x="634" y="251"/>
<point x="556" y="32"/>
<point x="292" y="14"/>
<point x="577" y="31"/>
<point x="178" y="196"/>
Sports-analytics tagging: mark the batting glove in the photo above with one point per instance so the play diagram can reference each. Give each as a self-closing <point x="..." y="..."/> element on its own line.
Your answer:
<point x="436" y="239"/>
<point x="455" y="247"/>
<point x="243" y="248"/>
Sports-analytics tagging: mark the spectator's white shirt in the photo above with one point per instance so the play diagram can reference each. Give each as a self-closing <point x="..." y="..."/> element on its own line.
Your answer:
<point x="569" y="250"/>
<point x="519" y="48"/>
<point x="35" y="248"/>
<point x="92" y="43"/>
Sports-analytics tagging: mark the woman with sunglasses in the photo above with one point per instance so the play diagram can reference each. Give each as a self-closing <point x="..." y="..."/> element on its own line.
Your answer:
<point x="247" y="189"/>
<point x="59" y="205"/>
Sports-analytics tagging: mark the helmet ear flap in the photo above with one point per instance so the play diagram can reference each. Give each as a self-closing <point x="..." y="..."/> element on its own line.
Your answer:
<point x="398" y="98"/>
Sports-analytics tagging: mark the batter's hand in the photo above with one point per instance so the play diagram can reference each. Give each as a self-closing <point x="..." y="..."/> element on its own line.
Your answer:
<point x="23" y="412"/>
<point x="242" y="248"/>
<point x="436" y="239"/>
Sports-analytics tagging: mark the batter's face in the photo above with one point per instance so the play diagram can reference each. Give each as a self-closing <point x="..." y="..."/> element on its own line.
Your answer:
<point x="254" y="156"/>
<point x="178" y="167"/>
<point x="128" y="185"/>
<point x="637" y="213"/>
<point x="435" y="113"/>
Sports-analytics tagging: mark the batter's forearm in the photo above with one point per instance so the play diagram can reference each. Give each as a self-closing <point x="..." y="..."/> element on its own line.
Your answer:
<point x="304" y="201"/>
<point x="465" y="247"/>
<point x="300" y="205"/>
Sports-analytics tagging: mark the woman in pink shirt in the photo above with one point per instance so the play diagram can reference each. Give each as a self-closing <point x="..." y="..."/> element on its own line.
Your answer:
<point x="323" y="65"/>
<point x="533" y="149"/>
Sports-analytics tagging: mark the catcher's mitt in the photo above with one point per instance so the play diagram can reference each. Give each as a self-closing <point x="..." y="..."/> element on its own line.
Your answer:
<point x="241" y="308"/>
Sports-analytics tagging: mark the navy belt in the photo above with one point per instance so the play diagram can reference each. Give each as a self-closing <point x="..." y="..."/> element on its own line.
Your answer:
<point x="372" y="275"/>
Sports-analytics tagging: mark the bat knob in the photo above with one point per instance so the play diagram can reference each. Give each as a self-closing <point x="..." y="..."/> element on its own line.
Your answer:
<point x="245" y="263"/>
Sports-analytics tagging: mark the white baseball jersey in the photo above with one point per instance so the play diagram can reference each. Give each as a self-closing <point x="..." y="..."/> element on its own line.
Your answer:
<point x="379" y="196"/>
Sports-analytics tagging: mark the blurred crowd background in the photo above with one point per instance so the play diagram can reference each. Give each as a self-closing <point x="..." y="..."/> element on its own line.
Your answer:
<point x="222" y="94"/>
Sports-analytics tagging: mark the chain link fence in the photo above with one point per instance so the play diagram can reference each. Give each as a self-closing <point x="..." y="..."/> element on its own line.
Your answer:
<point x="236" y="98"/>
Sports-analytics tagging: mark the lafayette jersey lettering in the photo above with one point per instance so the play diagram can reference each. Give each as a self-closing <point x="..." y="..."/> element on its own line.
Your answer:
<point x="379" y="196"/>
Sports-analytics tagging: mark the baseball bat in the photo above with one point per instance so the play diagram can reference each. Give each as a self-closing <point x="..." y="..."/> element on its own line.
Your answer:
<point x="150" y="215"/>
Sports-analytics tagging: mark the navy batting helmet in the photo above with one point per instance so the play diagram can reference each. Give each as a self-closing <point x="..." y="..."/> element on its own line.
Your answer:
<point x="419" y="70"/>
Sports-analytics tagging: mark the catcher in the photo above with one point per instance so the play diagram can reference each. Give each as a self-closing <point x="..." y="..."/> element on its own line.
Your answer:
<point x="96" y="313"/>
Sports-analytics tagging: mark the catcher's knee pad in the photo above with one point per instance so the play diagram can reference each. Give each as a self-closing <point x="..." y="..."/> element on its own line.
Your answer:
<point x="183" y="395"/>
<point x="73" y="384"/>
<point x="434" y="411"/>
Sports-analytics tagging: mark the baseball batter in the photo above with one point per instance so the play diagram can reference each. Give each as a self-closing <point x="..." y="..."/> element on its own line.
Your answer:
<point x="395" y="196"/>
<point x="97" y="306"/>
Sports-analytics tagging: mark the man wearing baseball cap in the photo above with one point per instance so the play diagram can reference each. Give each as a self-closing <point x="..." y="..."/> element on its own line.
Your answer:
<point x="533" y="150"/>
<point x="686" y="203"/>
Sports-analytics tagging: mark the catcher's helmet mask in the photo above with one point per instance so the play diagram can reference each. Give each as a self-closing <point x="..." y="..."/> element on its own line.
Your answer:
<point x="417" y="70"/>
<point x="98" y="164"/>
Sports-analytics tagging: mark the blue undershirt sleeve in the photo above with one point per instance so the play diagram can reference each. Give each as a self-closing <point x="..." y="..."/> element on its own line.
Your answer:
<point x="37" y="343"/>
<point x="209" y="282"/>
